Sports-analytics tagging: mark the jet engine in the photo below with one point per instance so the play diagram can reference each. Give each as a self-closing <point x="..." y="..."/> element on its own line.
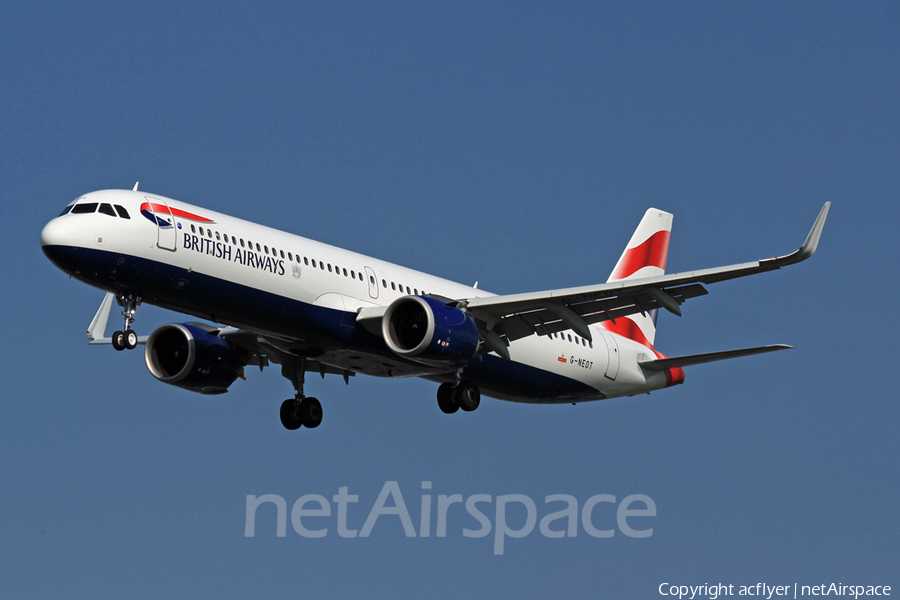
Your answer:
<point x="428" y="331"/>
<point x="188" y="356"/>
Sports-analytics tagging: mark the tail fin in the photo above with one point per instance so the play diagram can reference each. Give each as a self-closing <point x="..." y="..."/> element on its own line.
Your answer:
<point x="645" y="256"/>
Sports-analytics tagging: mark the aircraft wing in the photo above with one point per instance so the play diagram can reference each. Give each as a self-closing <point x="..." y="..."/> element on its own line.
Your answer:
<point x="503" y="319"/>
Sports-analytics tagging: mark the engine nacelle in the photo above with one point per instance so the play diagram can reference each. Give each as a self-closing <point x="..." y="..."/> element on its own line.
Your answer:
<point x="188" y="356"/>
<point x="428" y="331"/>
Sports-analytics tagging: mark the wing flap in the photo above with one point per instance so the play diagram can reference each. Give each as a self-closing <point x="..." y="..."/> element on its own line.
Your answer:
<point x="517" y="320"/>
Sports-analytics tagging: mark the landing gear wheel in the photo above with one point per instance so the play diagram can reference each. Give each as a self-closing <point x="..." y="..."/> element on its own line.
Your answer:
<point x="311" y="409"/>
<point x="288" y="415"/>
<point x="445" y="399"/>
<point x="468" y="396"/>
<point x="130" y="339"/>
<point x="118" y="340"/>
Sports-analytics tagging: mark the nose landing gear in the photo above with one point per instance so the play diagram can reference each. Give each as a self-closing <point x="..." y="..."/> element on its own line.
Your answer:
<point x="127" y="339"/>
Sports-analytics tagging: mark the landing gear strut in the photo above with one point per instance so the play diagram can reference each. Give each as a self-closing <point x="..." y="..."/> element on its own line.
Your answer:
<point x="298" y="411"/>
<point x="127" y="339"/>
<point x="459" y="395"/>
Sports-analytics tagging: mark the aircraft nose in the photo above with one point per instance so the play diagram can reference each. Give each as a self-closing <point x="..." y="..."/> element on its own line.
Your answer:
<point x="59" y="245"/>
<point x="53" y="233"/>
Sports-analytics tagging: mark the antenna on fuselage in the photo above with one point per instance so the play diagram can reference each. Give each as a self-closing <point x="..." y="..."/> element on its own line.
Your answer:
<point x="134" y="189"/>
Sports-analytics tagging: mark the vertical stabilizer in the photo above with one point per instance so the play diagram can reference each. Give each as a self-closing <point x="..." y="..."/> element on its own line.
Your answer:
<point x="645" y="256"/>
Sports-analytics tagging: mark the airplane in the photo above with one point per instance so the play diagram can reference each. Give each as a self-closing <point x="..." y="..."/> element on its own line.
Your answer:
<point x="275" y="297"/>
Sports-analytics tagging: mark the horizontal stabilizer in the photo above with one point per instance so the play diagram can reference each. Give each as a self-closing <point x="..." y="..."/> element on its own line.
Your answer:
<point x="661" y="364"/>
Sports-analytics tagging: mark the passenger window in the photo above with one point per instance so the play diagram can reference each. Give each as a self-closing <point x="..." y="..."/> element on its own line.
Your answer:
<point x="217" y="236"/>
<point x="345" y="272"/>
<point x="85" y="208"/>
<point x="258" y="249"/>
<point x="290" y="256"/>
<point x="321" y="265"/>
<point x="306" y="261"/>
<point x="329" y="267"/>
<point x="122" y="212"/>
<point x="193" y="228"/>
<point x="383" y="283"/>
<point x="267" y="249"/>
<point x="393" y="286"/>
<point x="242" y="242"/>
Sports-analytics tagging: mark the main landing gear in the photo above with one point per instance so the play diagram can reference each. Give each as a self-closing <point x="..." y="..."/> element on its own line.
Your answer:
<point x="459" y="395"/>
<point x="127" y="339"/>
<point x="298" y="411"/>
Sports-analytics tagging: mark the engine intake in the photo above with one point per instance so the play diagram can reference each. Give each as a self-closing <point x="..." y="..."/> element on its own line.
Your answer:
<point x="188" y="356"/>
<point x="428" y="331"/>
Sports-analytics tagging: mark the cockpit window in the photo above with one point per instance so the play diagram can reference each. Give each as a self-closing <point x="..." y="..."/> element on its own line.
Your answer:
<point x="66" y="210"/>
<point x="107" y="209"/>
<point x="122" y="212"/>
<point x="84" y="208"/>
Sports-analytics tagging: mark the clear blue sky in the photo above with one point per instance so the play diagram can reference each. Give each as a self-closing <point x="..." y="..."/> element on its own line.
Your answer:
<point x="516" y="144"/>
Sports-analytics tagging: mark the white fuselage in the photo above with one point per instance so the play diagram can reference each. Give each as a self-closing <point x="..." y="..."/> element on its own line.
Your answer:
<point x="300" y="292"/>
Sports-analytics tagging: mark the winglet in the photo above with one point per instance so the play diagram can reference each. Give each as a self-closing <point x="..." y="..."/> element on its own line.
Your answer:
<point x="809" y="246"/>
